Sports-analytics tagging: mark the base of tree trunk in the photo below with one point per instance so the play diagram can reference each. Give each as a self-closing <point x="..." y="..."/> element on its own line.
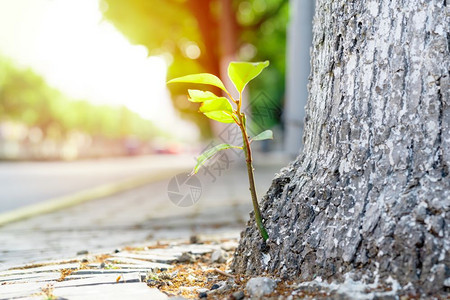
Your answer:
<point x="320" y="229"/>
<point x="370" y="195"/>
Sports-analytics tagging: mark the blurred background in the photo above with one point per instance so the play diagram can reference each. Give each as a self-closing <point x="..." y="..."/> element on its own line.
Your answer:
<point x="85" y="79"/>
<point x="85" y="114"/>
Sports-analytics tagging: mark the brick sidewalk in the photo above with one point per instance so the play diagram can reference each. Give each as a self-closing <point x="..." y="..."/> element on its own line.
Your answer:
<point x="130" y="273"/>
<point x="135" y="216"/>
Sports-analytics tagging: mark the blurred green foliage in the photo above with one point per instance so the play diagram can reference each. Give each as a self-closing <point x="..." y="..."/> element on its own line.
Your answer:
<point x="26" y="98"/>
<point x="198" y="36"/>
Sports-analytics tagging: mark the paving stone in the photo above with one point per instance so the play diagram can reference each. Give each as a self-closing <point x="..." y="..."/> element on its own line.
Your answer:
<point x="40" y="269"/>
<point x="118" y="274"/>
<point x="96" y="265"/>
<point x="105" y="271"/>
<point x="18" y="290"/>
<point x="99" y="279"/>
<point x="134" y="290"/>
<point x="148" y="257"/>
<point x="125" y="262"/>
<point x="36" y="277"/>
<point x="153" y="266"/>
<point x="43" y="264"/>
<point x="194" y="249"/>
<point x="96" y="278"/>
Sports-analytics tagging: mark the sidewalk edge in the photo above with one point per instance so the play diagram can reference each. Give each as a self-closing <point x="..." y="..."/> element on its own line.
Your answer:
<point x="101" y="191"/>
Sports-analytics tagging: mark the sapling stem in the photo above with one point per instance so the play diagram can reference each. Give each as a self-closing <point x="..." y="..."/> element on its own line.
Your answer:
<point x="251" y="179"/>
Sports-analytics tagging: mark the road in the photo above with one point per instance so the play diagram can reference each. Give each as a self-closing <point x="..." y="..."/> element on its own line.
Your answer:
<point x="25" y="183"/>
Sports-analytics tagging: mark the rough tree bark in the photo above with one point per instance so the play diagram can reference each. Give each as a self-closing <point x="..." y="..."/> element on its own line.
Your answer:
<point x="370" y="194"/>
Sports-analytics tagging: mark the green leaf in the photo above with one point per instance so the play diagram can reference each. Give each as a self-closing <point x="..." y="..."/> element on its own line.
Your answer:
<point x="265" y="135"/>
<point x="220" y="116"/>
<point x="200" y="96"/>
<point x="210" y="153"/>
<point x="241" y="73"/>
<point x="202" y="78"/>
<point x="219" y="104"/>
<point x="218" y="109"/>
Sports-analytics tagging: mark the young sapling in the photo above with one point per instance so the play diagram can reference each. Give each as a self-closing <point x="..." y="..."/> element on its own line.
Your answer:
<point x="229" y="110"/>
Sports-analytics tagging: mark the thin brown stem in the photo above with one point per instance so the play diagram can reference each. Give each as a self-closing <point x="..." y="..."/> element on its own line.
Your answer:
<point x="251" y="178"/>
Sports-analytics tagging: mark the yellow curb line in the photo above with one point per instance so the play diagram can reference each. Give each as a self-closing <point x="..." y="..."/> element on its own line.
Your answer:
<point x="101" y="191"/>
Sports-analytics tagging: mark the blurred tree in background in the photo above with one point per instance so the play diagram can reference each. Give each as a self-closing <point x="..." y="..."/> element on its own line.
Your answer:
<point x="26" y="99"/>
<point x="203" y="36"/>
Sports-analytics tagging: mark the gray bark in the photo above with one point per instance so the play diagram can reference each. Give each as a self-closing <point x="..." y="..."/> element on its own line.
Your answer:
<point x="370" y="194"/>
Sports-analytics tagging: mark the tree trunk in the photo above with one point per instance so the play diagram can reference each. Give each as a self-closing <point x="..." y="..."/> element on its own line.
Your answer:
<point x="370" y="194"/>
<point x="208" y="28"/>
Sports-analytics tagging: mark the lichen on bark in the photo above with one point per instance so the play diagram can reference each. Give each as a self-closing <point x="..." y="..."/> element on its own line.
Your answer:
<point x="370" y="193"/>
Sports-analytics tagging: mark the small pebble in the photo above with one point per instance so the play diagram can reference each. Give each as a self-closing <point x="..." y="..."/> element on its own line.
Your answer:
<point x="219" y="256"/>
<point x="260" y="286"/>
<point x="151" y="282"/>
<point x="84" y="260"/>
<point x="102" y="265"/>
<point x="191" y="278"/>
<point x="82" y="252"/>
<point x="155" y="283"/>
<point x="238" y="295"/>
<point x="447" y="282"/>
<point x="264" y="247"/>
<point x="117" y="251"/>
<point x="164" y="276"/>
<point x="186" y="257"/>
<point x="219" y="287"/>
<point x="203" y="295"/>
<point x="194" y="239"/>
